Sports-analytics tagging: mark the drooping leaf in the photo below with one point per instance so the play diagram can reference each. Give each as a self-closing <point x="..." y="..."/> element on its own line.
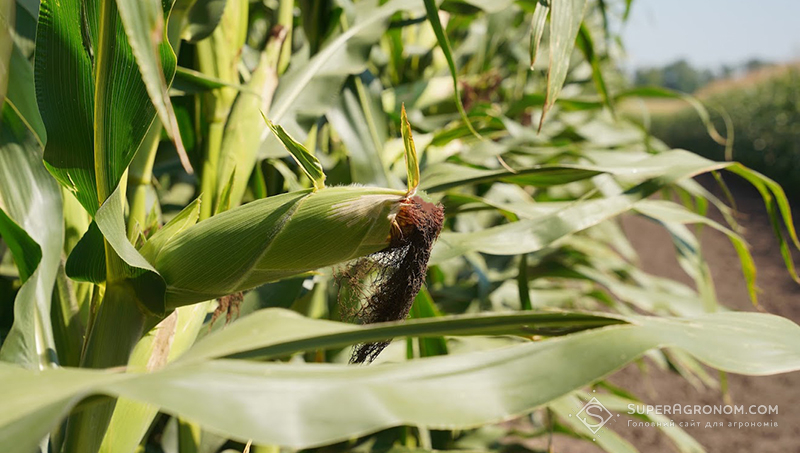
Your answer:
<point x="666" y="93"/>
<point x="537" y="27"/>
<point x="31" y="203"/>
<point x="586" y="44"/>
<point x="433" y="17"/>
<point x="533" y="234"/>
<point x="565" y="22"/>
<point x="666" y="211"/>
<point x="144" y="25"/>
<point x="299" y="405"/>
<point x="145" y="282"/>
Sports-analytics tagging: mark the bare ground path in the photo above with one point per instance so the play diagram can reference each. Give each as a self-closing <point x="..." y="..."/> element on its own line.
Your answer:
<point x="780" y="295"/>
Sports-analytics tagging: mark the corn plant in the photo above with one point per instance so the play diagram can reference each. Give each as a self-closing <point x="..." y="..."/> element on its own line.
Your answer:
<point x="764" y="145"/>
<point x="216" y="216"/>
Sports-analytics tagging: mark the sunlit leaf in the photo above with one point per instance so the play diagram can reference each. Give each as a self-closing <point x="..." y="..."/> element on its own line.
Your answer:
<point x="565" y="22"/>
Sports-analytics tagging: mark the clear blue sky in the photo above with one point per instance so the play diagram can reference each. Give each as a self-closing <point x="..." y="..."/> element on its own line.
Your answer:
<point x="709" y="33"/>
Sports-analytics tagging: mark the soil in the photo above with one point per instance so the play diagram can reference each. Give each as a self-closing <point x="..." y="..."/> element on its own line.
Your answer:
<point x="779" y="295"/>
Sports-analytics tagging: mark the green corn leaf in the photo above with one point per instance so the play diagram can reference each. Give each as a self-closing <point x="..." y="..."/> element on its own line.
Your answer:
<point x="433" y="17"/>
<point x="87" y="261"/>
<point x="777" y="208"/>
<point x="26" y="252"/>
<point x="412" y="161"/>
<point x="90" y="140"/>
<point x="533" y="234"/>
<point x="537" y="27"/>
<point x="163" y="344"/>
<point x="306" y="88"/>
<point x="666" y="211"/>
<point x="189" y="81"/>
<point x="197" y="19"/>
<point x="609" y="441"/>
<point x="22" y="97"/>
<point x="7" y="17"/>
<point x="444" y="176"/>
<point x="291" y="332"/>
<point x="307" y="161"/>
<point x="33" y="227"/>
<point x="681" y="439"/>
<point x="145" y="283"/>
<point x="424" y="307"/>
<point x="275" y="402"/>
<point x="586" y="45"/>
<point x="360" y="122"/>
<point x="144" y="25"/>
<point x="565" y="22"/>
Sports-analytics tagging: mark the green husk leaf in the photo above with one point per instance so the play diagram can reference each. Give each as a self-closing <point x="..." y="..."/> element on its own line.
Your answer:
<point x="412" y="161"/>
<point x="185" y="219"/>
<point x="307" y="161"/>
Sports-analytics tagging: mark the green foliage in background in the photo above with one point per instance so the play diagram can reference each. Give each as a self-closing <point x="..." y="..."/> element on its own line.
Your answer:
<point x="765" y="115"/>
<point x="182" y="183"/>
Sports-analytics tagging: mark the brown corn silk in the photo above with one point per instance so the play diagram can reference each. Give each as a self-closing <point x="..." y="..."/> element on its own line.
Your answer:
<point x="397" y="272"/>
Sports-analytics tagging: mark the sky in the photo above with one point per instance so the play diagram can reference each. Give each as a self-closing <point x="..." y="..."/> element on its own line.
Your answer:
<point x="709" y="33"/>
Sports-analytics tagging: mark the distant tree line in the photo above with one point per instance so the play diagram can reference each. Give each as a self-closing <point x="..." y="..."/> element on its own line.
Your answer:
<point x="682" y="76"/>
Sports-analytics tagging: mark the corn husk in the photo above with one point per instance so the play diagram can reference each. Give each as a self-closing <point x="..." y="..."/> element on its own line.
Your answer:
<point x="274" y="238"/>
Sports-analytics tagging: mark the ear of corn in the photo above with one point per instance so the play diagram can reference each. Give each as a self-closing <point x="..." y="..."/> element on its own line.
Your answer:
<point x="275" y="238"/>
<point x="272" y="238"/>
